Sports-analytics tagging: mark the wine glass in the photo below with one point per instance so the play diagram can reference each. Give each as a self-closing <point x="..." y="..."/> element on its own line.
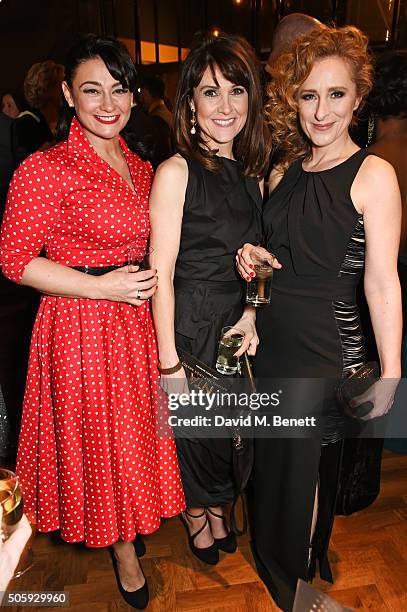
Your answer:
<point x="11" y="499"/>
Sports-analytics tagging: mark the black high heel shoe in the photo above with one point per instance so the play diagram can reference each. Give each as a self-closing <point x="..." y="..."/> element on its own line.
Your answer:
<point x="228" y="544"/>
<point x="136" y="599"/>
<point x="210" y="554"/>
<point x="139" y="546"/>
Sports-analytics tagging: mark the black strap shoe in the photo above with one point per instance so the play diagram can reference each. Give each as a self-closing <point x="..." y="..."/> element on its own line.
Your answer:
<point x="228" y="544"/>
<point x="136" y="599"/>
<point x="210" y="554"/>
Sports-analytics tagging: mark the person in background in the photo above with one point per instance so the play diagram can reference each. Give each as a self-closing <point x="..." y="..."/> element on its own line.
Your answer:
<point x="13" y="103"/>
<point x="151" y="98"/>
<point x="6" y="172"/>
<point x="333" y="212"/>
<point x="288" y="29"/>
<point x="42" y="89"/>
<point x="6" y="157"/>
<point x="29" y="130"/>
<point x="152" y="133"/>
<point x="34" y="129"/>
<point x="90" y="462"/>
<point x="204" y="200"/>
<point x="17" y="304"/>
<point x="16" y="315"/>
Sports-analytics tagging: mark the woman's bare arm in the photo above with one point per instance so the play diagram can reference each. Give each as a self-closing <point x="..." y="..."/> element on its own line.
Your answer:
<point x="166" y="211"/>
<point x="119" y="286"/>
<point x="376" y="195"/>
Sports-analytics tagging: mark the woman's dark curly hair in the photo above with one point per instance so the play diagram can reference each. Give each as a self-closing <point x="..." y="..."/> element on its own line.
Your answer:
<point x="389" y="94"/>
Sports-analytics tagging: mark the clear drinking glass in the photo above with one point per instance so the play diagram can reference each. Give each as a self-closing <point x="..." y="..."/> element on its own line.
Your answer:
<point x="11" y="499"/>
<point x="229" y="343"/>
<point x="258" y="290"/>
<point x="139" y="256"/>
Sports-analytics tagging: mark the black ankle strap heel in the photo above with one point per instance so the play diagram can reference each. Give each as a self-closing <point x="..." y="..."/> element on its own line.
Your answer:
<point x="228" y="544"/>
<point x="210" y="554"/>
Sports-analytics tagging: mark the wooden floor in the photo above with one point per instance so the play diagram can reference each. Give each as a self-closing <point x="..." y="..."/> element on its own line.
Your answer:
<point x="368" y="555"/>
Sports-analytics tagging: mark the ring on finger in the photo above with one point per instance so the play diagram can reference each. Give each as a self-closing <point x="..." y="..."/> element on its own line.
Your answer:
<point x="138" y="294"/>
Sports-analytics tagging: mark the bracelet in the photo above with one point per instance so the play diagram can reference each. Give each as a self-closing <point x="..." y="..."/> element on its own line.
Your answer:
<point x="172" y="370"/>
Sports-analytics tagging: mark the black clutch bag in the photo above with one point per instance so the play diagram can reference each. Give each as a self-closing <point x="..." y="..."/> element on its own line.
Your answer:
<point x="359" y="480"/>
<point x="358" y="381"/>
<point x="202" y="377"/>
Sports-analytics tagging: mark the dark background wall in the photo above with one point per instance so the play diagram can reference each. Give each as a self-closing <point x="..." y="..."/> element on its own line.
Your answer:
<point x="31" y="32"/>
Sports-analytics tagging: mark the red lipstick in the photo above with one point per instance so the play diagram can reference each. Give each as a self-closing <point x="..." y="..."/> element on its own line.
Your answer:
<point x="107" y="119"/>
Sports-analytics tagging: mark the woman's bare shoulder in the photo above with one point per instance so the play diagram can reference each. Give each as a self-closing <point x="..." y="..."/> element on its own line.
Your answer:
<point x="174" y="166"/>
<point x="170" y="181"/>
<point x="375" y="185"/>
<point x="376" y="168"/>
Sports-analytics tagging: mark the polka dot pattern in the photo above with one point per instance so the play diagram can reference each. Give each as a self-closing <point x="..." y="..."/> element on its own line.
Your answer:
<point x="89" y="460"/>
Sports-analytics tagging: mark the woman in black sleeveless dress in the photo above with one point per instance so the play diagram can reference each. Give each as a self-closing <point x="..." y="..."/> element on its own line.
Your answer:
<point x="333" y="205"/>
<point x="204" y="203"/>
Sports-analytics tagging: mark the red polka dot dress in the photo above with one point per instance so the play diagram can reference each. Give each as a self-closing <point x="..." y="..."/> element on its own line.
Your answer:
<point x="89" y="460"/>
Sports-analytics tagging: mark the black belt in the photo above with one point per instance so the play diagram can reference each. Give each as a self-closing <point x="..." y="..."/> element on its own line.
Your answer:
<point x="96" y="271"/>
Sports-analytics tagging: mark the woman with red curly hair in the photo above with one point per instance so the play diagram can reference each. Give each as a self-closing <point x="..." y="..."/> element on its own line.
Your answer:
<point x="333" y="215"/>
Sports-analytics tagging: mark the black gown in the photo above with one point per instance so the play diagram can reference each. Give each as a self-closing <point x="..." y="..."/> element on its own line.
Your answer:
<point x="222" y="211"/>
<point x="310" y="330"/>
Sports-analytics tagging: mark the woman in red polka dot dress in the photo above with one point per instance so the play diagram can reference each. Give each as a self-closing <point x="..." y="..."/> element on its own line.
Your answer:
<point x="89" y="460"/>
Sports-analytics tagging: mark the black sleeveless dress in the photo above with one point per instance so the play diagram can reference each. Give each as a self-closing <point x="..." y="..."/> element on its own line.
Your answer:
<point x="311" y="330"/>
<point x="222" y="210"/>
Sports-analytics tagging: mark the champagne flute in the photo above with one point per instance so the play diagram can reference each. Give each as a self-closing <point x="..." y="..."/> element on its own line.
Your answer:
<point x="11" y="499"/>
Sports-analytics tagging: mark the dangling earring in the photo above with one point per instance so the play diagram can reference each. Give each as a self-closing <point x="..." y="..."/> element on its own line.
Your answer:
<point x="193" y="121"/>
<point x="370" y="129"/>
